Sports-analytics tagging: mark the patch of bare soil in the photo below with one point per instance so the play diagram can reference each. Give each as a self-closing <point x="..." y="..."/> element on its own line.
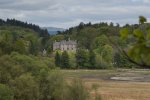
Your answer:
<point x="123" y="76"/>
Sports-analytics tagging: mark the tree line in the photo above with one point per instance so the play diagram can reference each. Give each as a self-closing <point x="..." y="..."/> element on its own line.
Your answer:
<point x="36" y="28"/>
<point x="110" y="49"/>
<point x="85" y="59"/>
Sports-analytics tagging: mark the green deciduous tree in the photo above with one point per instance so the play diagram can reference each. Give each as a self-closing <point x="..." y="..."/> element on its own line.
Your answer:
<point x="72" y="57"/>
<point x="56" y="87"/>
<point x="25" y="88"/>
<point x="142" y="20"/>
<point x="9" y="69"/>
<point x="5" y="93"/>
<point x="104" y="58"/>
<point x="107" y="53"/>
<point x="19" y="46"/>
<point x="100" y="41"/>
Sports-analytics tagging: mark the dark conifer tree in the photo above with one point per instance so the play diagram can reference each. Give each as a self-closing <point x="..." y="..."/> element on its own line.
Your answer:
<point x="92" y="59"/>
<point x="57" y="59"/>
<point x="65" y="60"/>
<point x="82" y="59"/>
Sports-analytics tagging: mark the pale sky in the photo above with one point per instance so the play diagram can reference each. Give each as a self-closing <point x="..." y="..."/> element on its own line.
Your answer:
<point x="68" y="13"/>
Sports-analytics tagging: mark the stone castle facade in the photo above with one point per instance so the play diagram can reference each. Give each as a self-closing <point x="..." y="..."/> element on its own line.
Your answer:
<point x="64" y="45"/>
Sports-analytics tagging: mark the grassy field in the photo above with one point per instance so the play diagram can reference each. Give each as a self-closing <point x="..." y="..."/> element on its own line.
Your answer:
<point x="114" y="89"/>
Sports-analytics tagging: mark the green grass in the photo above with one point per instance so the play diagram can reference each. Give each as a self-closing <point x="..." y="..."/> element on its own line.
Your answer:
<point x="102" y="73"/>
<point x="82" y="73"/>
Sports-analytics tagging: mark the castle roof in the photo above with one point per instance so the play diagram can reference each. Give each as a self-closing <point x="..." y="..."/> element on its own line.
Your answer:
<point x="64" y="42"/>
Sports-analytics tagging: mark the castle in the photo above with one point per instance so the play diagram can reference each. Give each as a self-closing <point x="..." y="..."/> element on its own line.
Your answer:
<point x="64" y="45"/>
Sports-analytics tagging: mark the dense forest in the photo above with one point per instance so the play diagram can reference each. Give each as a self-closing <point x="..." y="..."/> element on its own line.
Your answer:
<point x="22" y="37"/>
<point x="96" y="46"/>
<point x="28" y="73"/>
<point x="107" y="46"/>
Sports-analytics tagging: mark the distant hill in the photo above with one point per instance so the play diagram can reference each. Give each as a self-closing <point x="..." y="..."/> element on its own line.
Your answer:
<point x="14" y="22"/>
<point x="53" y="30"/>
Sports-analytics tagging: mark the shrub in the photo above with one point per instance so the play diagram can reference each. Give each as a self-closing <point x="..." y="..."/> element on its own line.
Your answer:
<point x="52" y="86"/>
<point x="25" y="88"/>
<point x="77" y="91"/>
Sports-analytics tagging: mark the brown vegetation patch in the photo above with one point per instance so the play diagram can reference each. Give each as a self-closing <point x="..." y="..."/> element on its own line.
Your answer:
<point x="136" y="88"/>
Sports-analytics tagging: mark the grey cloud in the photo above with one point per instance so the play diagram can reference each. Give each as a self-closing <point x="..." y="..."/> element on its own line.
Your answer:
<point x="26" y="4"/>
<point x="66" y="13"/>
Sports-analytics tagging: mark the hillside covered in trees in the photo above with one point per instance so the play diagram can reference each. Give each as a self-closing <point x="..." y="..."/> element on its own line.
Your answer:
<point x="97" y="44"/>
<point x="14" y="22"/>
<point x="22" y="37"/>
<point x="26" y="73"/>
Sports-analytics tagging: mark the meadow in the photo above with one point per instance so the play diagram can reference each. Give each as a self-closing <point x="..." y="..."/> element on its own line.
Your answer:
<point x="135" y="87"/>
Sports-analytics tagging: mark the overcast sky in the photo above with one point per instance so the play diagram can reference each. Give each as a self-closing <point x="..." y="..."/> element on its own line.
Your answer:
<point x="67" y="13"/>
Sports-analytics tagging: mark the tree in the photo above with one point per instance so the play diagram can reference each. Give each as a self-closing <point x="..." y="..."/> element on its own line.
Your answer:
<point x="111" y="24"/>
<point x="142" y="20"/>
<point x="120" y="61"/>
<point x="57" y="59"/>
<point x="107" y="53"/>
<point x="14" y="36"/>
<point x="33" y="47"/>
<point x="55" y="87"/>
<point x="82" y="58"/>
<point x="1" y="53"/>
<point x="92" y="59"/>
<point x="25" y="88"/>
<point x="5" y="93"/>
<point x="72" y="56"/>
<point x="19" y="46"/>
<point x="100" y="41"/>
<point x="106" y="56"/>
<point x="65" y="60"/>
<point x="81" y="25"/>
<point x="138" y="53"/>
<point x="2" y="22"/>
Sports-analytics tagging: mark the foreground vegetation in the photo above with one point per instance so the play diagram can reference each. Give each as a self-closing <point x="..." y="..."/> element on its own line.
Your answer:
<point x="34" y="78"/>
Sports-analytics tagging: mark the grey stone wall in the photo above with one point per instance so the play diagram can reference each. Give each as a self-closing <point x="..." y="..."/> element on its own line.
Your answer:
<point x="65" y="45"/>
